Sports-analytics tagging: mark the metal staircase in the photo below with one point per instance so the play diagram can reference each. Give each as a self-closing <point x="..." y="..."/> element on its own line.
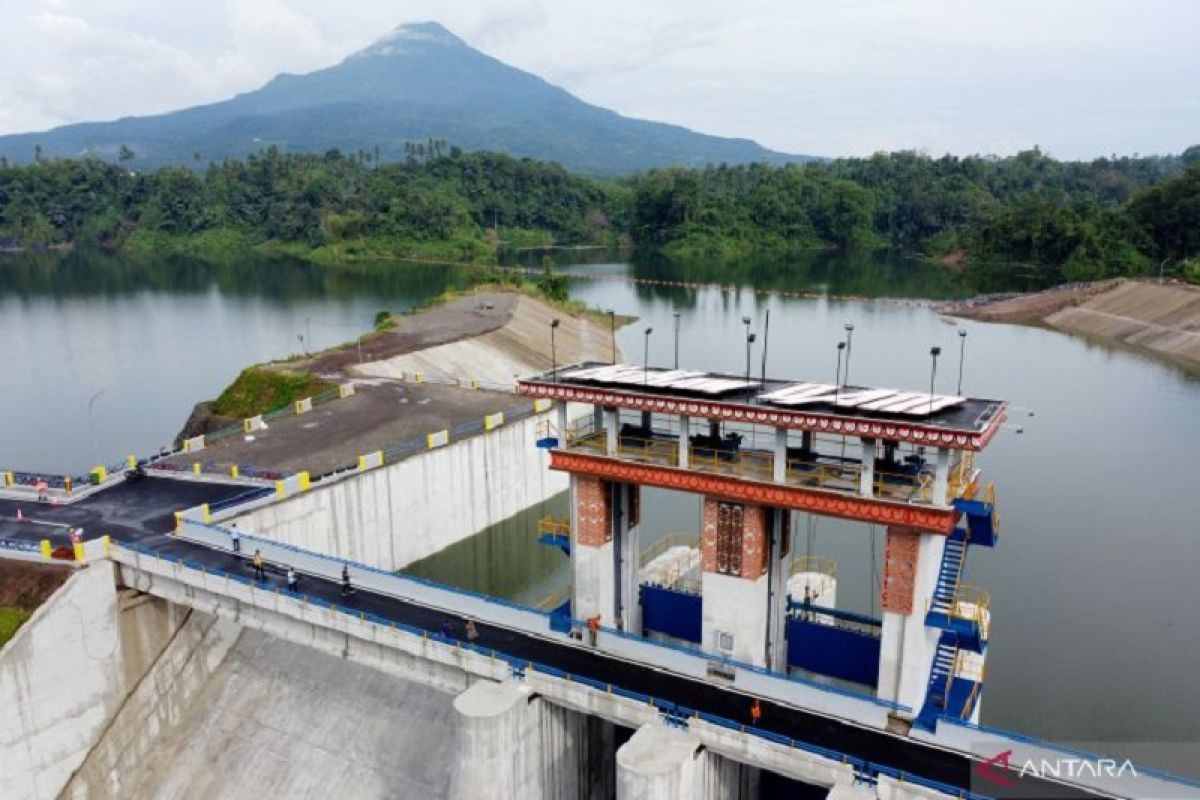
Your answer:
<point x="983" y="522"/>
<point x="940" y="676"/>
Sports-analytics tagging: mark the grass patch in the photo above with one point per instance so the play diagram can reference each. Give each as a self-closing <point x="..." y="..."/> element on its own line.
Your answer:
<point x="10" y="620"/>
<point x="258" y="390"/>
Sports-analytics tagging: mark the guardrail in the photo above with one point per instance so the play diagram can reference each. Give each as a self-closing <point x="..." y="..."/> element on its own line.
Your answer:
<point x="671" y="712"/>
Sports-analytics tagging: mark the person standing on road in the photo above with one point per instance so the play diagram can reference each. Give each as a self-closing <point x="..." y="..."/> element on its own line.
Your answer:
<point x="593" y="624"/>
<point x="292" y="580"/>
<point x="260" y="574"/>
<point x="472" y="631"/>
<point x="755" y="712"/>
<point x="43" y="489"/>
<point x="346" y="580"/>
<point x="235" y="539"/>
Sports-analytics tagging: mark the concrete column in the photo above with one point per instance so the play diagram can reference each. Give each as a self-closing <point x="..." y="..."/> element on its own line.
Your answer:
<point x="906" y="650"/>
<point x="658" y="763"/>
<point x="646" y="419"/>
<point x="941" y="476"/>
<point x="597" y="418"/>
<point x="685" y="432"/>
<point x="866" y="484"/>
<point x="806" y="441"/>
<point x="511" y="744"/>
<point x="610" y="427"/>
<point x="777" y="578"/>
<point x="561" y="415"/>
<point x="735" y="581"/>
<point x="628" y="553"/>
<point x="662" y="763"/>
<point x="593" y="561"/>
<point x="781" y="439"/>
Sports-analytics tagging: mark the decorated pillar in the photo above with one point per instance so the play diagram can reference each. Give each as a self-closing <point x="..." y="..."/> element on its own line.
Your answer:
<point x="735" y="548"/>
<point x="606" y="553"/>
<point x="911" y="563"/>
<point x="592" y="562"/>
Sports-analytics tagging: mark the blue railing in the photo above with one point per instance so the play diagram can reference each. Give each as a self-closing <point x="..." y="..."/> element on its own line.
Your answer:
<point x="672" y="712"/>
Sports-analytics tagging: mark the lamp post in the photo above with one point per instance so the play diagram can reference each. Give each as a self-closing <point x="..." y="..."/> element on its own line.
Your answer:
<point x="837" y="381"/>
<point x="750" y="337"/>
<point x="962" y="352"/>
<point x="766" y="333"/>
<point x="849" y="348"/>
<point x="934" y="352"/>
<point x="553" y="353"/>
<point x="92" y="424"/>
<point x="646" y="357"/>
<point x="676" y="340"/>
<point x="612" y="332"/>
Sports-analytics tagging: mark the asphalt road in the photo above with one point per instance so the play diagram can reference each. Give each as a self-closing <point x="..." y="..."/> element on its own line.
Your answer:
<point x="142" y="513"/>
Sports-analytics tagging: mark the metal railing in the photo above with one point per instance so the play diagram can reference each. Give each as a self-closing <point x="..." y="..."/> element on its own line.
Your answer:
<point x="819" y="565"/>
<point x="556" y="527"/>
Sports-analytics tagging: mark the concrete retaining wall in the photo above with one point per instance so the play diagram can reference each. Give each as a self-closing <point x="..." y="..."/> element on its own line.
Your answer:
<point x="66" y="673"/>
<point x="393" y="516"/>
<point x="161" y="697"/>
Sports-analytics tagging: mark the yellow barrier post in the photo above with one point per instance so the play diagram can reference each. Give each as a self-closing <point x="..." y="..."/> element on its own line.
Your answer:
<point x="131" y="460"/>
<point x="542" y="404"/>
<point x="196" y="467"/>
<point x="304" y="481"/>
<point x="80" y="556"/>
<point x="8" y="479"/>
<point x="178" y="520"/>
<point x="418" y="377"/>
<point x="280" y="489"/>
<point x="493" y="421"/>
<point x="46" y="549"/>
<point x="207" y="513"/>
<point x="67" y="484"/>
<point x="106" y="543"/>
<point x="233" y="471"/>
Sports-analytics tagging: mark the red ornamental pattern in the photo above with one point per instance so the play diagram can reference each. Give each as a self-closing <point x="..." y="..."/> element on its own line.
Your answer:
<point x="823" y="423"/>
<point x="593" y="514"/>
<point x="724" y="487"/>
<point x="900" y="570"/>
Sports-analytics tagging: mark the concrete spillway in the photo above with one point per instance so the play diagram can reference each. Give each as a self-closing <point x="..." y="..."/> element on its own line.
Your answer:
<point x="272" y="719"/>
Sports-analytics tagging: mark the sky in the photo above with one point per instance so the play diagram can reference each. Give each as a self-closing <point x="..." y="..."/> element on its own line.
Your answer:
<point x="1079" y="78"/>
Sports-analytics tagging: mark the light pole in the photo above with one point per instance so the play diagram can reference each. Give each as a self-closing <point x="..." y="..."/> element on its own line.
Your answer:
<point x="849" y="348"/>
<point x="766" y="332"/>
<point x="646" y="357"/>
<point x="612" y="332"/>
<point x="837" y="381"/>
<point x="92" y="424"/>
<point x="750" y="337"/>
<point x="553" y="353"/>
<point x="676" y="340"/>
<point x="934" y="352"/>
<point x="962" y="352"/>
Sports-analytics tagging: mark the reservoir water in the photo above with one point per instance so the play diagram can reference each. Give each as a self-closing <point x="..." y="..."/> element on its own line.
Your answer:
<point x="1095" y="583"/>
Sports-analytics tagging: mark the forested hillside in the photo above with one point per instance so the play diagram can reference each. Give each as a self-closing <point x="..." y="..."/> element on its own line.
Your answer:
<point x="1022" y="222"/>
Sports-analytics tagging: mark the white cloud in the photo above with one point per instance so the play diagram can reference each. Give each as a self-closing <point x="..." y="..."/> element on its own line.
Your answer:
<point x="1078" y="77"/>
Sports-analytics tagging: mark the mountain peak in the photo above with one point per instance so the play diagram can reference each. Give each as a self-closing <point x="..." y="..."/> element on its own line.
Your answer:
<point x="409" y="38"/>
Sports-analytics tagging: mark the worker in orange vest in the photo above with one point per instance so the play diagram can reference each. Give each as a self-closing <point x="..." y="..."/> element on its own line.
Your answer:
<point x="755" y="712"/>
<point x="593" y="624"/>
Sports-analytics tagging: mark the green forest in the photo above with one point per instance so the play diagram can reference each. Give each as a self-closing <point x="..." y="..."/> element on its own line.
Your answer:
<point x="1021" y="222"/>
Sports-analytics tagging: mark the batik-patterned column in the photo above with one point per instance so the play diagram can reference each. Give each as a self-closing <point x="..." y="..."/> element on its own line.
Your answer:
<point x="735" y="547"/>
<point x="592" y="561"/>
<point x="911" y="565"/>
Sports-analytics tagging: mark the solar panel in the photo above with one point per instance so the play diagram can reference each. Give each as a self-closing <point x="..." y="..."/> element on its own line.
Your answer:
<point x="883" y="403"/>
<point x="712" y="386"/>
<point x="904" y="405"/>
<point x="853" y="399"/>
<point x="672" y="376"/>
<point x="797" y="393"/>
<point x="939" y="402"/>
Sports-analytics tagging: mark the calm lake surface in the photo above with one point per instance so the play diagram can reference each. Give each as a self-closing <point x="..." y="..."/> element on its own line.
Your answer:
<point x="1096" y="580"/>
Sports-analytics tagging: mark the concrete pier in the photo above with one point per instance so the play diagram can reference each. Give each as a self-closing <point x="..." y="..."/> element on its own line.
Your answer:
<point x="512" y="744"/>
<point x="664" y="763"/>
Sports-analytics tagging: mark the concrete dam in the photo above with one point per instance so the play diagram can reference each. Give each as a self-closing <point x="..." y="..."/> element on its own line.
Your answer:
<point x="230" y="630"/>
